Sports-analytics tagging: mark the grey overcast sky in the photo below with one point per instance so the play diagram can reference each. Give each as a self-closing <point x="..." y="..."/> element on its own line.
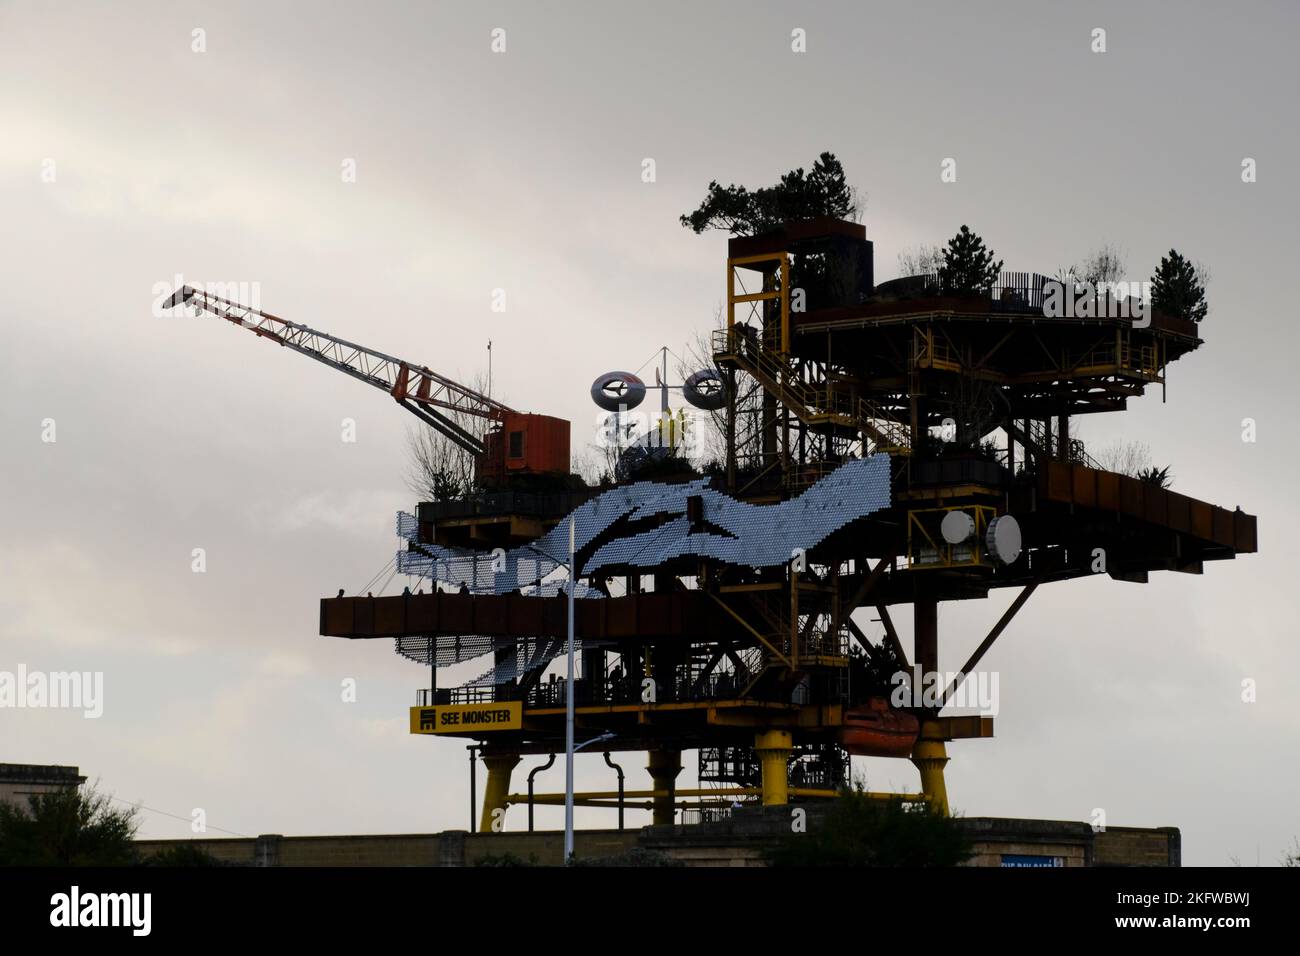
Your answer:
<point x="522" y="171"/>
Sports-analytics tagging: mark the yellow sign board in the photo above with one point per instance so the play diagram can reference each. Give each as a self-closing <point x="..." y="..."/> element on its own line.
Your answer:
<point x="467" y="718"/>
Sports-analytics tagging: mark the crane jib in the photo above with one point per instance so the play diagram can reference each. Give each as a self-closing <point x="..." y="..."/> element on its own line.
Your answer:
<point x="374" y="368"/>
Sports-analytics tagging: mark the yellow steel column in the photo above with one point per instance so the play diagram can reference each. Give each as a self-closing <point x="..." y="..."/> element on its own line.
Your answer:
<point x="930" y="755"/>
<point x="664" y="767"/>
<point x="498" y="787"/>
<point x="773" y="748"/>
<point x="785" y="303"/>
<point x="731" y="299"/>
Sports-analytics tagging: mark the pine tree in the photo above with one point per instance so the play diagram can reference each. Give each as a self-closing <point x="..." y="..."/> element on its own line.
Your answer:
<point x="968" y="267"/>
<point x="822" y="192"/>
<point x="799" y="195"/>
<point x="1177" y="288"/>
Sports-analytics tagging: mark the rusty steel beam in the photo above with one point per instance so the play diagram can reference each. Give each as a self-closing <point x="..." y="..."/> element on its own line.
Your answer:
<point x="985" y="644"/>
<point x="852" y="603"/>
<point x="891" y="635"/>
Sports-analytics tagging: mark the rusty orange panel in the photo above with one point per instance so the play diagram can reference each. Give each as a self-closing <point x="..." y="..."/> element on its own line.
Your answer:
<point x="1157" y="505"/>
<point x="590" y="619"/>
<point x="525" y="615"/>
<point x="390" y="615"/>
<point x="363" y="617"/>
<point x="1222" y="527"/>
<point x="620" y="616"/>
<point x="654" y="615"/>
<point x="1058" y="481"/>
<point x="491" y="615"/>
<point x="1084" y="481"/>
<point x="1180" y="513"/>
<point x="1202" y="520"/>
<point x="456" y="613"/>
<point x="542" y="443"/>
<point x="336" y="616"/>
<point x="1108" y="490"/>
<point x="1245" y="531"/>
<point x="680" y="615"/>
<point x="1132" y="497"/>
<point x="422" y="612"/>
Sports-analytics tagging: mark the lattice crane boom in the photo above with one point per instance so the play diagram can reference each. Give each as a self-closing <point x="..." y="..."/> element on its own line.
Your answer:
<point x="416" y="388"/>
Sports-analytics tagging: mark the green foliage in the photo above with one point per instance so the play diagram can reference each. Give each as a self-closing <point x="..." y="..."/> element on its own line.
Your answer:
<point x="656" y="467"/>
<point x="930" y="447"/>
<point x="1159" y="477"/>
<point x="505" y="859"/>
<point x="968" y="267"/>
<point x="637" y="856"/>
<point x="865" y="831"/>
<point x="871" y="671"/>
<point x="1178" y="288"/>
<point x="70" y="827"/>
<point x="988" y="450"/>
<point x="822" y="192"/>
<point x="182" y="854"/>
<point x="444" y="486"/>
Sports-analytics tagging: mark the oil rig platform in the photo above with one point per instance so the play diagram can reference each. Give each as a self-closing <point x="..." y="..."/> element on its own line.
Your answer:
<point x="887" y="447"/>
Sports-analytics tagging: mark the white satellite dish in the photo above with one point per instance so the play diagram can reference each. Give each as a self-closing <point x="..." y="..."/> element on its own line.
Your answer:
<point x="1003" y="539"/>
<point x="957" y="527"/>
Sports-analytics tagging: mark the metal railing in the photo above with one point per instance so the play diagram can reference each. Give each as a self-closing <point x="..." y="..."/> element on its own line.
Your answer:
<point x="1020" y="292"/>
<point x="1011" y="292"/>
<point x="810" y="402"/>
<point x="679" y="688"/>
<point x="478" y="694"/>
<point x="1050" y="444"/>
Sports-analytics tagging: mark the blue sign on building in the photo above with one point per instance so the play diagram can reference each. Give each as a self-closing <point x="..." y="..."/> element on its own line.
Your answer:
<point x="1013" y="859"/>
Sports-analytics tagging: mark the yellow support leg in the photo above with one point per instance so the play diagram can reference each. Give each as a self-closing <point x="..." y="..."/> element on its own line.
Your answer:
<point x="930" y="755"/>
<point x="497" y="791"/>
<point x="664" y="767"/>
<point x="773" y="748"/>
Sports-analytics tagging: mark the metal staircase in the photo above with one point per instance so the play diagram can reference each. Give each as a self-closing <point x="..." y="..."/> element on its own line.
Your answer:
<point x="815" y="405"/>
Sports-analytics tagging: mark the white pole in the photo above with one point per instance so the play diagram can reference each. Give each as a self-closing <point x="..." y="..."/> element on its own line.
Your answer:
<point x="568" y="717"/>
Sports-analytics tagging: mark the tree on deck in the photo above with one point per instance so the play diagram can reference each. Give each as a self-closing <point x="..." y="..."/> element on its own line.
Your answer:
<point x="824" y="191"/>
<point x="1178" y="288"/>
<point x="821" y="192"/>
<point x="968" y="266"/>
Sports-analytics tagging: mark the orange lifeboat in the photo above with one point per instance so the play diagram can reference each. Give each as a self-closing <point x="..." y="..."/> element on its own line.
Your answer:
<point x="875" y="729"/>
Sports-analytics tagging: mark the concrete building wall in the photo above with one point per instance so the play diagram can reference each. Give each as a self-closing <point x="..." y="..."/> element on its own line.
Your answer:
<point x="19" y="781"/>
<point x="729" y="843"/>
<point x="449" y="848"/>
<point x="1001" y="842"/>
<point x="1137" y="846"/>
<point x="236" y="851"/>
<point x="395" y="850"/>
<point x="398" y="849"/>
<point x="546" y="848"/>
